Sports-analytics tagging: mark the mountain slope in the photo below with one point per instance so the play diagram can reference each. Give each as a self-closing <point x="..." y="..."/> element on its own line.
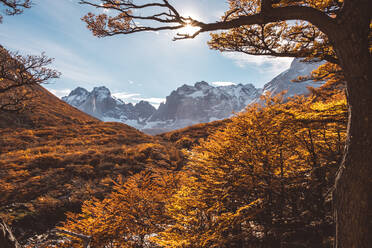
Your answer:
<point x="53" y="157"/>
<point x="283" y="82"/>
<point x="43" y="109"/>
<point x="201" y="103"/>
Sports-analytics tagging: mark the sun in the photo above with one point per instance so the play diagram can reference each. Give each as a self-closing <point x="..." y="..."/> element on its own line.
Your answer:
<point x="189" y="29"/>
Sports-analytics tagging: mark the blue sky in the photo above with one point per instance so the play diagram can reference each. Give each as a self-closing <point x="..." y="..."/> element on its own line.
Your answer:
<point x="134" y="67"/>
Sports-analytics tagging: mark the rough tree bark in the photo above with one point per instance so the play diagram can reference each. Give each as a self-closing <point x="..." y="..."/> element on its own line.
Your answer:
<point x="352" y="196"/>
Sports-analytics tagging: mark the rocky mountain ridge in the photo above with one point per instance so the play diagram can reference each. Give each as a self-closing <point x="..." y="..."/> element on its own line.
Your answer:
<point x="283" y="82"/>
<point x="102" y="105"/>
<point x="188" y="104"/>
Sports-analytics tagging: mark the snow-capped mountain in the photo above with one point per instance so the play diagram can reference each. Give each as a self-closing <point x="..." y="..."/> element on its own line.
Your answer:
<point x="76" y="97"/>
<point x="283" y="80"/>
<point x="185" y="106"/>
<point x="100" y="104"/>
<point x="202" y="102"/>
<point x="188" y="105"/>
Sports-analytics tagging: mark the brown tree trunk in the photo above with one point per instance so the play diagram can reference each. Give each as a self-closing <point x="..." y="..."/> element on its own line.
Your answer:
<point x="352" y="196"/>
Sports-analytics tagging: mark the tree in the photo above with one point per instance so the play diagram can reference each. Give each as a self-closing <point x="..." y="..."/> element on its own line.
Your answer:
<point x="17" y="74"/>
<point x="14" y="7"/>
<point x="130" y="215"/>
<point x="263" y="181"/>
<point x="336" y="30"/>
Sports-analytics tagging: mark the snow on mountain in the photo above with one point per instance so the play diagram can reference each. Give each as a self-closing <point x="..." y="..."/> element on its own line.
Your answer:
<point x="76" y="97"/>
<point x="202" y="102"/>
<point x="100" y="104"/>
<point x="189" y="104"/>
<point x="283" y="80"/>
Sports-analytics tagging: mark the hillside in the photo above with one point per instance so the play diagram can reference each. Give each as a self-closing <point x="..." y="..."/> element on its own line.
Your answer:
<point x="53" y="157"/>
<point x="187" y="137"/>
<point x="43" y="109"/>
<point x="60" y="160"/>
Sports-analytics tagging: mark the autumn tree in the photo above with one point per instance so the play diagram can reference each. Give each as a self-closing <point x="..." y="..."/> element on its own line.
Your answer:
<point x="335" y="30"/>
<point x="130" y="215"/>
<point x="14" y="7"/>
<point x="263" y="181"/>
<point x="18" y="73"/>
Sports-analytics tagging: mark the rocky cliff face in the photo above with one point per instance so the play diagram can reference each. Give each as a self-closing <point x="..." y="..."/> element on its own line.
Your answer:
<point x="100" y="104"/>
<point x="202" y="102"/>
<point x="185" y="106"/>
<point x="283" y="80"/>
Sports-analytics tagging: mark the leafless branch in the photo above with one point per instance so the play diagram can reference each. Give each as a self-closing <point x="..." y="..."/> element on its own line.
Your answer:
<point x="14" y="7"/>
<point x="17" y="70"/>
<point x="17" y="74"/>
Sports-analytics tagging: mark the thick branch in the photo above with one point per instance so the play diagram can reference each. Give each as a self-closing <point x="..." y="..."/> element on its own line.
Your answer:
<point x="316" y="17"/>
<point x="123" y="23"/>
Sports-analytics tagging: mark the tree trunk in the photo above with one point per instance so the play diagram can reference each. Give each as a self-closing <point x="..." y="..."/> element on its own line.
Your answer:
<point x="352" y="196"/>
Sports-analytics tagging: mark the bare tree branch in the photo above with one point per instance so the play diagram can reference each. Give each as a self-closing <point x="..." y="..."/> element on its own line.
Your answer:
<point x="17" y="70"/>
<point x="17" y="73"/>
<point x="14" y="7"/>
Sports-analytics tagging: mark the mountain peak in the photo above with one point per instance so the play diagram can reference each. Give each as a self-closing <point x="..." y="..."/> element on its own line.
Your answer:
<point x="284" y="80"/>
<point x="189" y="104"/>
<point x="101" y="92"/>
<point x="78" y="91"/>
<point x="100" y="104"/>
<point x="76" y="97"/>
<point x="202" y="85"/>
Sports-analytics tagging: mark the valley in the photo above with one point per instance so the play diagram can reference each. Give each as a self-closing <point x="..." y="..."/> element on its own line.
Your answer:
<point x="187" y="124"/>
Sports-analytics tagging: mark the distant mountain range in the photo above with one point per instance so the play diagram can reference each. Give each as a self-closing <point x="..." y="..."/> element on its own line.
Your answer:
<point x="188" y="105"/>
<point x="102" y="105"/>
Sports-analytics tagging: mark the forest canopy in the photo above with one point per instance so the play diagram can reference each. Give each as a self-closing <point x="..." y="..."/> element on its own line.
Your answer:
<point x="264" y="179"/>
<point x="338" y="31"/>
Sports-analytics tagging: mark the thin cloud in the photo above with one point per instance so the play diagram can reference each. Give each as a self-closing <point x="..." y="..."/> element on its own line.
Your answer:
<point x="59" y="93"/>
<point x="125" y="96"/>
<point x="154" y="101"/>
<point x="71" y="65"/>
<point x="151" y="99"/>
<point x="264" y="64"/>
<point x="223" y="83"/>
<point x="136" y="97"/>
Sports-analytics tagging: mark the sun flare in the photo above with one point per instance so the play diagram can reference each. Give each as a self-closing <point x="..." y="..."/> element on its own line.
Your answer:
<point x="189" y="29"/>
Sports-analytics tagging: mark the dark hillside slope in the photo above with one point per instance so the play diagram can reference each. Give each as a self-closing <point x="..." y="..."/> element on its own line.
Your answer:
<point x="187" y="137"/>
<point x="53" y="157"/>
